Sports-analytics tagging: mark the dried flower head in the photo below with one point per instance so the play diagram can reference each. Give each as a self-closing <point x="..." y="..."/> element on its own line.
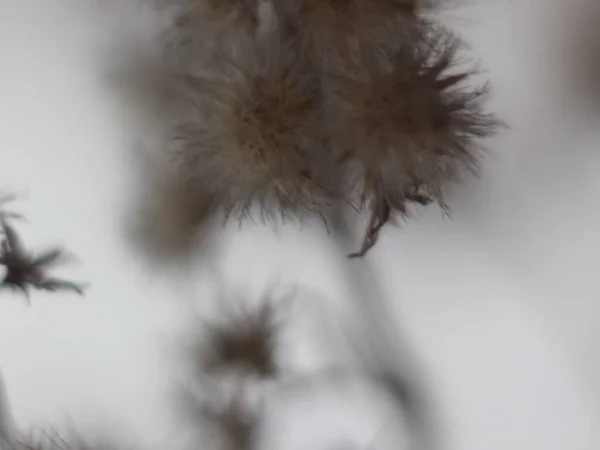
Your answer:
<point x="252" y="131"/>
<point x="244" y="340"/>
<point x="408" y="125"/>
<point x="24" y="270"/>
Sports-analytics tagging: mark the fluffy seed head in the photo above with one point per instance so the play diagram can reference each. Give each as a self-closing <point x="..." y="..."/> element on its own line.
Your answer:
<point x="252" y="131"/>
<point x="407" y="123"/>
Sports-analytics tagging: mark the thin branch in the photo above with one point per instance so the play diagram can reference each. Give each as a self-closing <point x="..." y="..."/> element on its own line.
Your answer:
<point x="397" y="368"/>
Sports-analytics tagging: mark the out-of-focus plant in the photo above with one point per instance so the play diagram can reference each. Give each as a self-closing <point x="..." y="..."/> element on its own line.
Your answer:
<point x="300" y="108"/>
<point x="25" y="270"/>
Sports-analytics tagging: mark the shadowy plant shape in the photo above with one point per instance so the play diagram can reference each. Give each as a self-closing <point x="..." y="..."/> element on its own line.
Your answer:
<point x="244" y="340"/>
<point x="408" y="125"/>
<point x="231" y="420"/>
<point x="24" y="270"/>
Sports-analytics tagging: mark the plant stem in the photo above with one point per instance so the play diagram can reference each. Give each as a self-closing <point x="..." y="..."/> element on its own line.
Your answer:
<point x="396" y="366"/>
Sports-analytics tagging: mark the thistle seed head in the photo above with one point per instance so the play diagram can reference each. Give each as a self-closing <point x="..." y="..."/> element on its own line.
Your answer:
<point x="408" y="126"/>
<point x="253" y="130"/>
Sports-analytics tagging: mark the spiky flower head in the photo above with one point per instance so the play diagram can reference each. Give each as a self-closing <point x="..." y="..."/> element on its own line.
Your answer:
<point x="407" y="123"/>
<point x="252" y="131"/>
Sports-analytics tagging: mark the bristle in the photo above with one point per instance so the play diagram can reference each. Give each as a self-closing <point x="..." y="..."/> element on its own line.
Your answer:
<point x="251" y="129"/>
<point x="245" y="341"/>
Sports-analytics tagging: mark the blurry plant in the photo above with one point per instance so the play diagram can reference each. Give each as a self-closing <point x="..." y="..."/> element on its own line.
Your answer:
<point x="244" y="340"/>
<point x="307" y="108"/>
<point x="299" y="108"/>
<point x="24" y="270"/>
<point x="231" y="422"/>
<point x="410" y="125"/>
<point x="296" y="109"/>
<point x="245" y="344"/>
<point x="251" y="131"/>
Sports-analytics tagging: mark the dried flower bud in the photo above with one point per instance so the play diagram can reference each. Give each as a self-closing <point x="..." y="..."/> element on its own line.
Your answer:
<point x="251" y="129"/>
<point x="244" y="340"/>
<point x="408" y="125"/>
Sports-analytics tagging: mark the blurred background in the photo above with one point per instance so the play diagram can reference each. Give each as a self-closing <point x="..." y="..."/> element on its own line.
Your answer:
<point x="501" y="302"/>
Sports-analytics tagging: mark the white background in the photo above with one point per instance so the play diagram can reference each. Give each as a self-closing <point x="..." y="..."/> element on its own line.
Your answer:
<point x="502" y="302"/>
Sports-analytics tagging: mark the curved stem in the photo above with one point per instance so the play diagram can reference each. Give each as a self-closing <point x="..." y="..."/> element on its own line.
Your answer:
<point x="394" y="362"/>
